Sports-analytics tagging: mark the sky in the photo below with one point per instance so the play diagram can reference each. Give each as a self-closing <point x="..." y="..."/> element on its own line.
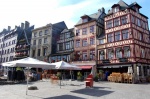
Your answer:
<point x="42" y="12"/>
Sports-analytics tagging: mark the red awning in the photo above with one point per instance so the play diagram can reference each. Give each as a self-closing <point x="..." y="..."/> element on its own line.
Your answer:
<point x="86" y="67"/>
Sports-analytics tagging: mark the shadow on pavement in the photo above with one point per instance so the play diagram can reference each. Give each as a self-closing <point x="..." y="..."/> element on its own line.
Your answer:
<point x="64" y="97"/>
<point x="93" y="92"/>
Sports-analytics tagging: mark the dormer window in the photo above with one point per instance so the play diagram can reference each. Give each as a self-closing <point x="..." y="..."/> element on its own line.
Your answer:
<point x="84" y="20"/>
<point x="116" y="9"/>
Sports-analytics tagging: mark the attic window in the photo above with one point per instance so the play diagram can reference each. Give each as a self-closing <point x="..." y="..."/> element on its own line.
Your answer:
<point x="84" y="20"/>
<point x="116" y="9"/>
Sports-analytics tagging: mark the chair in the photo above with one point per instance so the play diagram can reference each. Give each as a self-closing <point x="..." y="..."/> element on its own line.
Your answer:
<point x="130" y="79"/>
<point x="125" y="78"/>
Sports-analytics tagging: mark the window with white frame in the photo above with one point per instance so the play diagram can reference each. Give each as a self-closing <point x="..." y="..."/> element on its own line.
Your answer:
<point x="35" y="34"/>
<point x="109" y="24"/>
<point x="118" y="53"/>
<point x="125" y="34"/>
<point x="46" y="32"/>
<point x="77" y="43"/>
<point x="116" y="22"/>
<point x="40" y="41"/>
<point x="44" y="51"/>
<point x="101" y="41"/>
<point x="40" y="33"/>
<point x="84" y="20"/>
<point x="84" y="56"/>
<point x="39" y="52"/>
<point x="84" y="31"/>
<point x="92" y="41"/>
<point x="84" y="42"/>
<point x="117" y="36"/>
<point x="67" y="35"/>
<point x="116" y="9"/>
<point x="126" y="51"/>
<point x="92" y="54"/>
<point x="110" y="37"/>
<point x="67" y="44"/>
<point x="92" y="29"/>
<point x="124" y="19"/>
<point x="102" y="55"/>
<point x="110" y="53"/>
<point x="45" y="40"/>
<point x="34" y="42"/>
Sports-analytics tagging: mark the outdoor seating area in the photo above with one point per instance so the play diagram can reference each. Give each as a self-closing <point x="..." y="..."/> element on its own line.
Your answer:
<point x="120" y="77"/>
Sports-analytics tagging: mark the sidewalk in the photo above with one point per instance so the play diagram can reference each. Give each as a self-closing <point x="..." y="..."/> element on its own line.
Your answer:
<point x="76" y="90"/>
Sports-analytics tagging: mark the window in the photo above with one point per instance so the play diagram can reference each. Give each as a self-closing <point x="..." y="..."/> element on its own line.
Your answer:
<point x="109" y="24"/>
<point x="84" y="42"/>
<point x="9" y="42"/>
<point x="117" y="36"/>
<point x="132" y="19"/>
<point x="0" y="52"/>
<point x="77" y="43"/>
<point x="61" y="36"/>
<point x="125" y="34"/>
<point x="139" y="22"/>
<point x="39" y="51"/>
<point x="124" y="20"/>
<point x="84" y="56"/>
<point x="46" y="32"/>
<point x="140" y="36"/>
<point x="92" y="54"/>
<point x="102" y="55"/>
<point x="118" y="53"/>
<point x="34" y="42"/>
<point x="116" y="22"/>
<point x="35" y="34"/>
<point x="6" y="59"/>
<point x="44" y="51"/>
<point x="40" y="33"/>
<point x="110" y="53"/>
<point x="78" y="32"/>
<point x="110" y="37"/>
<point x="101" y="41"/>
<point x="116" y="9"/>
<point x="92" y="29"/>
<point x="126" y="51"/>
<point x="40" y="41"/>
<point x="33" y="53"/>
<point x="7" y="51"/>
<point x="67" y="35"/>
<point x="45" y="40"/>
<point x="92" y="41"/>
<point x="6" y="44"/>
<point x="143" y="53"/>
<point x="84" y="20"/>
<point x="84" y="31"/>
<point x="61" y="47"/>
<point x="67" y="45"/>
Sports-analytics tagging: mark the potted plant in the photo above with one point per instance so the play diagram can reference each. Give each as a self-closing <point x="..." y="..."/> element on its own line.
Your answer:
<point x="96" y="78"/>
<point x="59" y="75"/>
<point x="79" y="76"/>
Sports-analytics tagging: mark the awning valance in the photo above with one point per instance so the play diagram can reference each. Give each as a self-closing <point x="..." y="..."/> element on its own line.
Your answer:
<point x="85" y="66"/>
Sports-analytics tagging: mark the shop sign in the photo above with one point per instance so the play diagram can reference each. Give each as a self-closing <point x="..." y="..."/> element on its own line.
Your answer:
<point x="105" y="61"/>
<point x="123" y="59"/>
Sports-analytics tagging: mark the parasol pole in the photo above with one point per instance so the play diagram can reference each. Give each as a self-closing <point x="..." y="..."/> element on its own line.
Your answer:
<point x="27" y="81"/>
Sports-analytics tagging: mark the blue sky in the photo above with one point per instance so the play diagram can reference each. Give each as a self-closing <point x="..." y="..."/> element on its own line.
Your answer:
<point x="42" y="12"/>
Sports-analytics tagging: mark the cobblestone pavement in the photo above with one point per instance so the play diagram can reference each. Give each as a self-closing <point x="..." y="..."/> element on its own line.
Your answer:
<point x="76" y="90"/>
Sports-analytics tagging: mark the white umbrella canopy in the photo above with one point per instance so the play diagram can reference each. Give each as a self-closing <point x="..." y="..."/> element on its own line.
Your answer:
<point x="29" y="62"/>
<point x="65" y="65"/>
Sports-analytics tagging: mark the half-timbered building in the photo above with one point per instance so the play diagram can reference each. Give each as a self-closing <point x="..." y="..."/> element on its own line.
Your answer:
<point x="127" y="41"/>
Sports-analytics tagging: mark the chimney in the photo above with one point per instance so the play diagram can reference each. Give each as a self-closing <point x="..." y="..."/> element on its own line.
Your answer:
<point x="99" y="10"/>
<point x="27" y="24"/>
<point x="15" y="26"/>
<point x="9" y="28"/>
<point x="22" y="25"/>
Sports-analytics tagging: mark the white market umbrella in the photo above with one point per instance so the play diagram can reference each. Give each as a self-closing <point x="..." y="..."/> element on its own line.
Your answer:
<point x="65" y="66"/>
<point x="29" y="62"/>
